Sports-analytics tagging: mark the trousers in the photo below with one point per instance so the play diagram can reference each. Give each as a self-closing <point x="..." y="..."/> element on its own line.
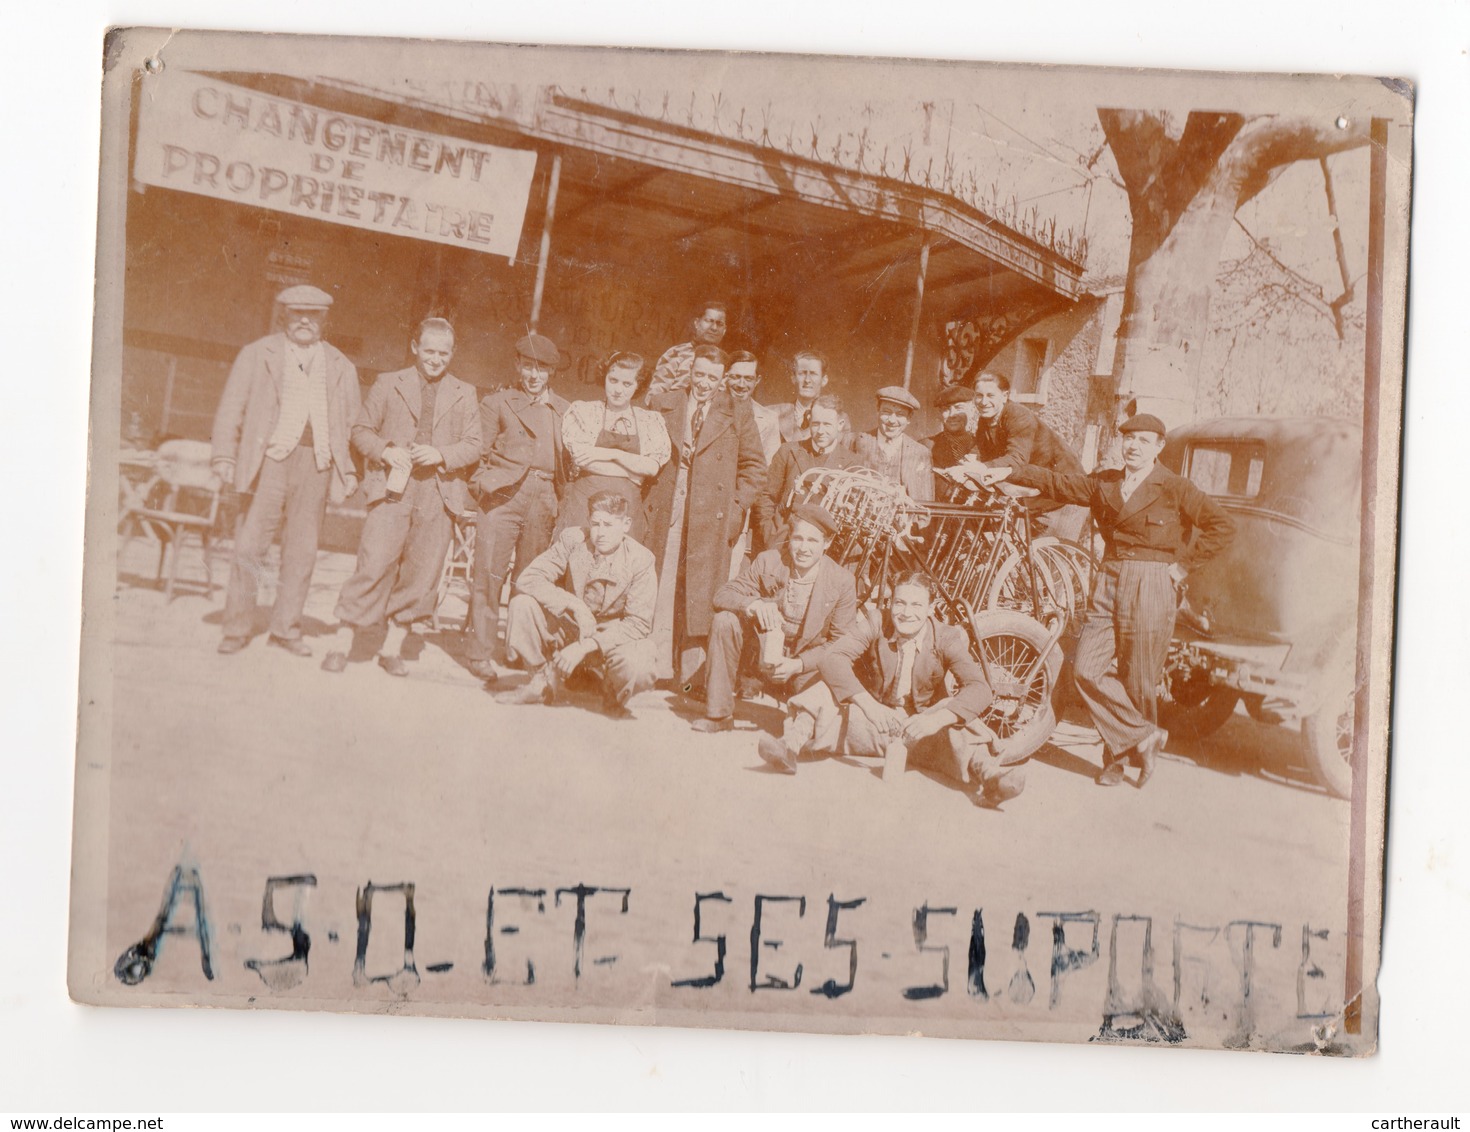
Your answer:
<point x="727" y="655"/>
<point x="290" y="498"/>
<point x="532" y="635"/>
<point x="514" y="522"/>
<point x="1122" y="649"/>
<point x="400" y="558"/>
<point x="843" y="729"/>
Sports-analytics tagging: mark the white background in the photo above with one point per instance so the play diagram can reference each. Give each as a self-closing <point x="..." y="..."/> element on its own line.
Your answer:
<point x="56" y="1057"/>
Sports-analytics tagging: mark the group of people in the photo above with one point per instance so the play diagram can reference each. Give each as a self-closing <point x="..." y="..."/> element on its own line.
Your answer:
<point x="653" y="535"/>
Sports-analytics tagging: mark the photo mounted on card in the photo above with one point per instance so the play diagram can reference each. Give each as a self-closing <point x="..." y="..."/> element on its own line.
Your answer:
<point x="777" y="542"/>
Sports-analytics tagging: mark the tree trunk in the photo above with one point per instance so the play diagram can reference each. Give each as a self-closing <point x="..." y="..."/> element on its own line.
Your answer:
<point x="1183" y="194"/>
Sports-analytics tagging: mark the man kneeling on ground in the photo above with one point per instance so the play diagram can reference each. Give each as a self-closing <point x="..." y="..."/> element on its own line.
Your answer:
<point x="588" y="600"/>
<point x="883" y="691"/>
<point x="793" y="601"/>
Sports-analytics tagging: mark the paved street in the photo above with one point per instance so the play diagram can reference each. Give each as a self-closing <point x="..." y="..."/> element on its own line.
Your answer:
<point x="261" y="765"/>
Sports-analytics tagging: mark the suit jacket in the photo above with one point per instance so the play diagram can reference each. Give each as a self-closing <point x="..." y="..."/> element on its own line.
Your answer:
<point x="251" y="405"/>
<point x="915" y="465"/>
<point x="510" y="442"/>
<point x="791" y="462"/>
<point x="867" y="658"/>
<point x="726" y="474"/>
<point x="1156" y="522"/>
<point x="829" y="614"/>
<point x="563" y="572"/>
<point x="948" y="449"/>
<point x="390" y="415"/>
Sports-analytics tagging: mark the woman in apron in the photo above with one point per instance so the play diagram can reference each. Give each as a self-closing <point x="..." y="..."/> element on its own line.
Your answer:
<point x="615" y="445"/>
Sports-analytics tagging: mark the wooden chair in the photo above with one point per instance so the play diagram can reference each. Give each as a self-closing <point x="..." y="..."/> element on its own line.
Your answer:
<point x="458" y="565"/>
<point x="183" y="497"/>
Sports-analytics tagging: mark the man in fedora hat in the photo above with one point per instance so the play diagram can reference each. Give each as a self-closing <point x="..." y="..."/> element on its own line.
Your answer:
<point x="1146" y="515"/>
<point x="517" y="482"/>
<point x="793" y="601"/>
<point x="419" y="431"/>
<point x="281" y="436"/>
<point x="889" y="450"/>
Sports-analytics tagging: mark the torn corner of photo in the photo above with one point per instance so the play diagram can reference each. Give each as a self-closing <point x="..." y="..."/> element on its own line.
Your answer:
<point x="528" y="577"/>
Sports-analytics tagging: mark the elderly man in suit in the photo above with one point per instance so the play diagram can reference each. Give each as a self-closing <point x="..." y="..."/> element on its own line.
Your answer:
<point x="794" y="602"/>
<point x="419" y="431"/>
<point x="697" y="507"/>
<point x="825" y="447"/>
<point x="889" y="685"/>
<point x="281" y="438"/>
<point x="889" y="449"/>
<point x="518" y="480"/>
<point x="1146" y="515"/>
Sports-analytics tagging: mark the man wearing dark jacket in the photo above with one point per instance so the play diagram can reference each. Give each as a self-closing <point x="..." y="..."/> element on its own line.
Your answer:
<point x="794" y="600"/>
<point x="1008" y="435"/>
<point x="825" y="447"/>
<point x="1146" y="515"/>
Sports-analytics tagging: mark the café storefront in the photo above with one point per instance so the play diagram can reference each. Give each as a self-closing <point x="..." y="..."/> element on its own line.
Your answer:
<point x="601" y="228"/>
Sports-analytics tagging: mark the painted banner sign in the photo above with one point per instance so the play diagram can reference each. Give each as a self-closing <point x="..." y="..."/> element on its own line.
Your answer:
<point x="202" y="136"/>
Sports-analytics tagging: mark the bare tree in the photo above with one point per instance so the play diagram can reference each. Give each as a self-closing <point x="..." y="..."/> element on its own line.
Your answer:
<point x="1184" y="189"/>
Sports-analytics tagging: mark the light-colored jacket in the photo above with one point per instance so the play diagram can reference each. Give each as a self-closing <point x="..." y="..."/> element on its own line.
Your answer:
<point x="390" y="415"/>
<point x="251" y="404"/>
<point x="560" y="576"/>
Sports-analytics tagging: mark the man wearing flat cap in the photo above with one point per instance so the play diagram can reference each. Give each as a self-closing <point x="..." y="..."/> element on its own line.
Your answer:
<point x="790" y="602"/>
<point x="517" y="484"/>
<point x="1156" y="527"/>
<point x="281" y="439"/>
<point x="889" y="449"/>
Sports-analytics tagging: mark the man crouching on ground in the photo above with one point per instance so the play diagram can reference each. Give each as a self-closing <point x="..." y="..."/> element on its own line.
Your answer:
<point x="795" y="601"/>
<point x="892" y="670"/>
<point x="588" y="600"/>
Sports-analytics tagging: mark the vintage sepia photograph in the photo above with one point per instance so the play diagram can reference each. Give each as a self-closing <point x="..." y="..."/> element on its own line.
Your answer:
<point x="732" y="540"/>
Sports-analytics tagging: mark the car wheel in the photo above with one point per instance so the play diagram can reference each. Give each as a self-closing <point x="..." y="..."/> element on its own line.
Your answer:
<point x="1192" y="707"/>
<point x="1329" y="739"/>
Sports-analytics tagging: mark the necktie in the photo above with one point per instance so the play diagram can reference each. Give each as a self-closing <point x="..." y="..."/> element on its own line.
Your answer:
<point x="806" y="420"/>
<point x="905" y="686"/>
<point x="694" y="426"/>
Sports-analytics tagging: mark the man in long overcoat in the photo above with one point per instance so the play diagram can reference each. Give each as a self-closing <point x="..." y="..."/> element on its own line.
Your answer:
<point x="696" y="507"/>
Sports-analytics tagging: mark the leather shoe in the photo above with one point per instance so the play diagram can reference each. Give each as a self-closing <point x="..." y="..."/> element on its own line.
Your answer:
<point x="1111" y="775"/>
<point x="334" y="662"/>
<point x="776" y="754"/>
<point x="231" y="645"/>
<point x="709" y="726"/>
<point x="293" y="645"/>
<point x="1147" y="750"/>
<point x="485" y="670"/>
<point x="393" y="665"/>
<point x="614" y="708"/>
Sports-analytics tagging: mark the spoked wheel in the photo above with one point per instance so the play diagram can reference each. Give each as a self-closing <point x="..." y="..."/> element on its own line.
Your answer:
<point x="1329" y="737"/>
<point x="1010" y="587"/>
<point x="1009" y="644"/>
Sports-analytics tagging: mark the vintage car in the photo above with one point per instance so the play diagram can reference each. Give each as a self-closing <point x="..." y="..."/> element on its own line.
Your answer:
<point x="1272" y="621"/>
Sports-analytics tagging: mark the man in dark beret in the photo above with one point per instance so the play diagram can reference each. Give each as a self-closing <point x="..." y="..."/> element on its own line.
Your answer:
<point x="956" y="405"/>
<point x="517" y="484"/>
<point x="793" y="601"/>
<point x="1156" y="527"/>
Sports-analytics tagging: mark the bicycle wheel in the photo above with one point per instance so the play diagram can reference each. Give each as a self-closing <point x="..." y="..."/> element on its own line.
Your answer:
<point x="1008" y="644"/>
<point x="1011" y="589"/>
